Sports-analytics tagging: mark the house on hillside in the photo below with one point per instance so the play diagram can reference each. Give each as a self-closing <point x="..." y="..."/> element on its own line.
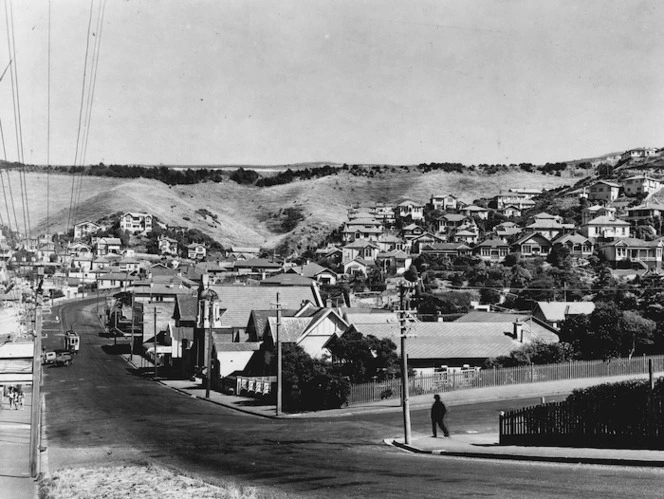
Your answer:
<point x="360" y="249"/>
<point x="644" y="212"/>
<point x="475" y="211"/>
<point x="196" y="251"/>
<point x="634" y="253"/>
<point x="136" y="222"/>
<point x="108" y="246"/>
<point x="85" y="229"/>
<point x="549" y="228"/>
<point x="410" y="209"/>
<point x="510" y="211"/>
<point x="426" y="238"/>
<point x="578" y="245"/>
<point x="365" y="228"/>
<point x="554" y="312"/>
<point x="451" y="221"/>
<point x="390" y="242"/>
<point x="532" y="244"/>
<point x="394" y="262"/>
<point x="603" y="190"/>
<point x="317" y="272"/>
<point x="605" y="228"/>
<point x="493" y="249"/>
<point x="450" y="250"/>
<point x="641" y="184"/>
<point x="592" y="212"/>
<point x="639" y="152"/>
<point x="443" y="202"/>
<point x="167" y="245"/>
<point x="411" y="231"/>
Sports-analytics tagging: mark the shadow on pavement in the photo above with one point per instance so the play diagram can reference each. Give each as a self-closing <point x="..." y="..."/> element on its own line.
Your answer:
<point x="119" y="349"/>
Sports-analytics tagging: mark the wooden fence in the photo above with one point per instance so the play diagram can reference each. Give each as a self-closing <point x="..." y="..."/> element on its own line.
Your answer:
<point x="444" y="382"/>
<point x="565" y="424"/>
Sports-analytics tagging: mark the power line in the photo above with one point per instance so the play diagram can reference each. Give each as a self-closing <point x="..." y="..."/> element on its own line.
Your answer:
<point x="48" y="126"/>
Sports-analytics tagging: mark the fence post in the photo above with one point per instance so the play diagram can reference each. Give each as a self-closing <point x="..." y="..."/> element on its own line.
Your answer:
<point x="494" y="375"/>
<point x="532" y="373"/>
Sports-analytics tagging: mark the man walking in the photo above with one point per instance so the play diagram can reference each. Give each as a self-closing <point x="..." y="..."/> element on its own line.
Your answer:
<point x="438" y="412"/>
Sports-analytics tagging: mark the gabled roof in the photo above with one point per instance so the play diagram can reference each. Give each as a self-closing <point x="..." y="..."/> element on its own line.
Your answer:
<point x="575" y="238"/>
<point x="398" y="254"/>
<point x="532" y="235"/>
<point x="186" y="307"/>
<point x="474" y="208"/>
<point x="360" y="244"/>
<point x="446" y="247"/>
<point x="493" y="242"/>
<point x="408" y="202"/>
<point x="545" y="223"/>
<point x="611" y="184"/>
<point x="239" y="301"/>
<point x="558" y="311"/>
<point x="632" y="242"/>
<point x="607" y="220"/>
<point x="412" y="226"/>
<point x="453" y="217"/>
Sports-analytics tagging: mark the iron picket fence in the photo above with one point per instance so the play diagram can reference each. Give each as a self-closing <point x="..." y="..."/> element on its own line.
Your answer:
<point x="483" y="378"/>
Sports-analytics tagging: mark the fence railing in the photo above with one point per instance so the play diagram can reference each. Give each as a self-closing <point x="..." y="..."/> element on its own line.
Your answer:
<point x="449" y="381"/>
<point x="565" y="424"/>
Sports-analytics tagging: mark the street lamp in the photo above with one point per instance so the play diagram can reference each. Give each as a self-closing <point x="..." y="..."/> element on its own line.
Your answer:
<point x="210" y="296"/>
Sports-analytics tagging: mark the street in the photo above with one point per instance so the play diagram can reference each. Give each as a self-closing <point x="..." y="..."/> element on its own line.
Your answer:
<point x="99" y="412"/>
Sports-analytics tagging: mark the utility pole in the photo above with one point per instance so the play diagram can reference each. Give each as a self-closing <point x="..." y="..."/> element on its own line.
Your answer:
<point x="280" y="387"/>
<point x="404" y="369"/>
<point x="211" y="296"/>
<point x="35" y="409"/>
<point x="156" y="359"/>
<point x="133" y="322"/>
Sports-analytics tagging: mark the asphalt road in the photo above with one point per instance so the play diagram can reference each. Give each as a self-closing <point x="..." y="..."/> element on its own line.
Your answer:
<point x="101" y="413"/>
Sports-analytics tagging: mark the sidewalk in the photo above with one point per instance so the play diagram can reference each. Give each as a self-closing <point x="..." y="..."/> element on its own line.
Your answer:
<point x="15" y="480"/>
<point x="477" y="445"/>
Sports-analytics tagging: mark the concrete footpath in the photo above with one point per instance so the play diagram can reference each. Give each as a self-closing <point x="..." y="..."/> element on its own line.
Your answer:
<point x="15" y="480"/>
<point x="471" y="445"/>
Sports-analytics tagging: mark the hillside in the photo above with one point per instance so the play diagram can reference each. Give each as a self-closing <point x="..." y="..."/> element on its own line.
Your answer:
<point x="250" y="216"/>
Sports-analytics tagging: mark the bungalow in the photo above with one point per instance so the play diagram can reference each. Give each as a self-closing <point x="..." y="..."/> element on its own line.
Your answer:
<point x="641" y="184"/>
<point x="167" y="246"/>
<point x="317" y="272"/>
<point x="384" y="213"/>
<point x="644" y="211"/>
<point x="450" y="221"/>
<point x="553" y="313"/>
<point x="605" y="227"/>
<point x="443" y="202"/>
<point x="510" y="211"/>
<point x="111" y="280"/>
<point x="507" y="230"/>
<point x="196" y="251"/>
<point x="549" y="228"/>
<point x="390" y="242"/>
<point x="128" y="264"/>
<point x="603" y="190"/>
<point x="423" y="239"/>
<point x="85" y="229"/>
<point x="410" y="209"/>
<point x="411" y="231"/>
<point x="493" y="249"/>
<point x="634" y="253"/>
<point x="394" y="262"/>
<point x="578" y="245"/>
<point x="532" y="244"/>
<point x="359" y="266"/>
<point x="136" y="222"/>
<point x="475" y="211"/>
<point x="467" y="234"/>
<point x="450" y="250"/>
<point x="639" y="152"/>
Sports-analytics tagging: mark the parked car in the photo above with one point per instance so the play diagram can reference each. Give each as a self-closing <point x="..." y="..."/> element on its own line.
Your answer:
<point x="48" y="357"/>
<point x="63" y="358"/>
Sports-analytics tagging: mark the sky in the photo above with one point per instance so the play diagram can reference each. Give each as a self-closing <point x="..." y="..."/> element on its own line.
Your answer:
<point x="386" y="82"/>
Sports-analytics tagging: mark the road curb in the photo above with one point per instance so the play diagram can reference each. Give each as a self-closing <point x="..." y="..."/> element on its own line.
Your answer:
<point x="527" y="457"/>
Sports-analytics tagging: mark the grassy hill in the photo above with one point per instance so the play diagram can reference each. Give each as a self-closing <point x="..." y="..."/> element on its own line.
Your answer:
<point x="234" y="214"/>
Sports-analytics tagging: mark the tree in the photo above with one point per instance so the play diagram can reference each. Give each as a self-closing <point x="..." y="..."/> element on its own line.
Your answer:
<point x="536" y="352"/>
<point x="362" y="358"/>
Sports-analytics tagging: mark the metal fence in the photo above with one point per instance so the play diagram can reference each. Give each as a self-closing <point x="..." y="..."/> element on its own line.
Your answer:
<point x="449" y="381"/>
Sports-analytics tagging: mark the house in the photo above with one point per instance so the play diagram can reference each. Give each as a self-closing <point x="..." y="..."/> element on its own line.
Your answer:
<point x="359" y="266"/>
<point x="641" y="184"/>
<point x="317" y="272"/>
<point x="112" y="280"/>
<point x="85" y="229"/>
<point x="603" y="190"/>
<point x="640" y="152"/>
<point x="605" y="227"/>
<point x="644" y="212"/>
<point x="259" y="266"/>
<point x="331" y="253"/>
<point x="384" y="213"/>
<point x="167" y="246"/>
<point x="549" y="227"/>
<point x="311" y="332"/>
<point x="244" y="252"/>
<point x="510" y="211"/>
<point x="232" y="309"/>
<point x="108" y="246"/>
<point x="423" y="239"/>
<point x="410" y="209"/>
<point x="128" y="264"/>
<point x="632" y="252"/>
<point x="450" y="250"/>
<point x="136" y="222"/>
<point x="532" y="244"/>
<point x="390" y="242"/>
<point x="412" y="231"/>
<point x="468" y="233"/>
<point x="591" y="212"/>
<point x="578" y="245"/>
<point x="196" y="251"/>
<point x="459" y="343"/>
<point x="393" y="262"/>
<point x="361" y="228"/>
<point x="553" y="313"/>
<point x="507" y="230"/>
<point x="493" y="249"/>
<point x="443" y="202"/>
<point x="79" y="249"/>
<point x="450" y="221"/>
<point x="522" y="201"/>
<point x="475" y="211"/>
<point x="360" y="249"/>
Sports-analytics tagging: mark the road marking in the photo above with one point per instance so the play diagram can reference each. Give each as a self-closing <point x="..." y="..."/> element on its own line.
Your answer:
<point x="16" y="426"/>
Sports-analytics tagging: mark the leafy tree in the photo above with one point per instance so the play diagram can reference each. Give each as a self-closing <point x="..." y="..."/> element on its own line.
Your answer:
<point x="362" y="358"/>
<point x="536" y="352"/>
<point x="242" y="176"/>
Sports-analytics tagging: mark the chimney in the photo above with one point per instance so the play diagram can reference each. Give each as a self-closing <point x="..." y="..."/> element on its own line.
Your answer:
<point x="518" y="331"/>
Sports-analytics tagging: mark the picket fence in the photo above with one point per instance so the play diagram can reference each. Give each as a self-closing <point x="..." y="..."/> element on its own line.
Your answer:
<point x="449" y="381"/>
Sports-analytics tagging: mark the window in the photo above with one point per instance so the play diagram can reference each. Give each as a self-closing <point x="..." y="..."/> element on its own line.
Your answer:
<point x="526" y="248"/>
